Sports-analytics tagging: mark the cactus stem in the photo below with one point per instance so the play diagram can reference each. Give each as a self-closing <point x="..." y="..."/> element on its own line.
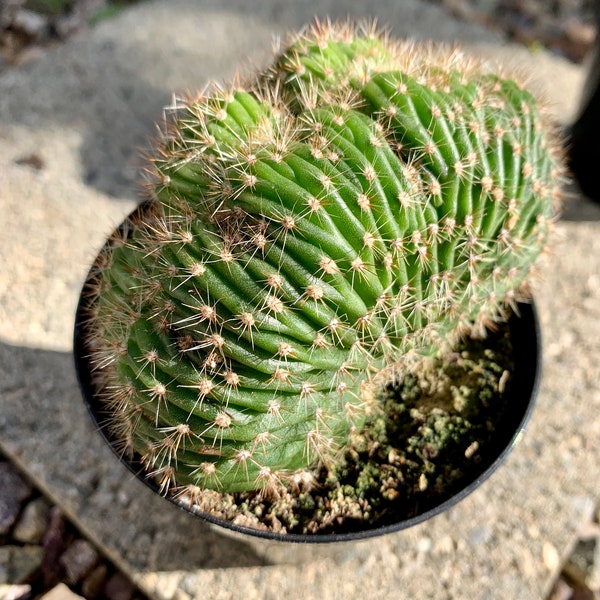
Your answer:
<point x="307" y="233"/>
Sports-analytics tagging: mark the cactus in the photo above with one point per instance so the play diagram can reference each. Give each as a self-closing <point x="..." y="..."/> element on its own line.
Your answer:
<point x="306" y="237"/>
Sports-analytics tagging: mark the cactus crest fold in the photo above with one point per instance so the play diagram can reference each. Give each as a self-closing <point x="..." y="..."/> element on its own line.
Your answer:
<point x="357" y="204"/>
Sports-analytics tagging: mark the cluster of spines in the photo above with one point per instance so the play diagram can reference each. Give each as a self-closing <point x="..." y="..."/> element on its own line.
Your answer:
<point x="302" y="237"/>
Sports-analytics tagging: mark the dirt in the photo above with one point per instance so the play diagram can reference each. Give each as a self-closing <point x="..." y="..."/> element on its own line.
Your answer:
<point x="28" y="28"/>
<point x="565" y="27"/>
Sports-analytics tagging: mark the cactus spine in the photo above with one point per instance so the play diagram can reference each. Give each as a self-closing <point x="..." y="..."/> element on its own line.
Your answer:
<point x="358" y="204"/>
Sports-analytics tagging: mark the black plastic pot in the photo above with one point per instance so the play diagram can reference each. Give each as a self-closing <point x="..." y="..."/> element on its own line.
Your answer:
<point x="583" y="133"/>
<point x="526" y="341"/>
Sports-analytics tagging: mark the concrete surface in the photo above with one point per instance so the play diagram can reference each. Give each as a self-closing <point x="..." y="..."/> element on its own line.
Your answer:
<point x="85" y="109"/>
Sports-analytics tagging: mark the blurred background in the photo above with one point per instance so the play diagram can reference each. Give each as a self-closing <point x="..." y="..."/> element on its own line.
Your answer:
<point x="566" y="27"/>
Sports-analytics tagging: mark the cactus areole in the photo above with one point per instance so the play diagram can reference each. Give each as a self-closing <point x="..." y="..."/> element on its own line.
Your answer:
<point x="308" y="239"/>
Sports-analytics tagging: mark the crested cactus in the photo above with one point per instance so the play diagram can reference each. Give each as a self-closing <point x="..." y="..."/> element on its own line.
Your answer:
<point x="351" y="209"/>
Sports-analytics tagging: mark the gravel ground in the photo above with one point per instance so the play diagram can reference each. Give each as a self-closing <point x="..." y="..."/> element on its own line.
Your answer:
<point x="28" y="27"/>
<point x="43" y="556"/>
<point x="41" y="553"/>
<point x="566" y="27"/>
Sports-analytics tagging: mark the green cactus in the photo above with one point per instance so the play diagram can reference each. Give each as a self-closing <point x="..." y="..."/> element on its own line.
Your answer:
<point x="306" y="237"/>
